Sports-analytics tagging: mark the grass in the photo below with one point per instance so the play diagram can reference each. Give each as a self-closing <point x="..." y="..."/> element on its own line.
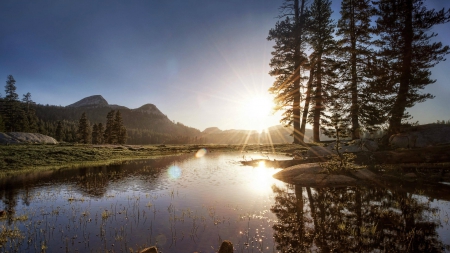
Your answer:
<point x="34" y="157"/>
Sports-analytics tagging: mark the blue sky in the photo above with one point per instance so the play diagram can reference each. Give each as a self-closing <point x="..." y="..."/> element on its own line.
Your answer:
<point x="197" y="61"/>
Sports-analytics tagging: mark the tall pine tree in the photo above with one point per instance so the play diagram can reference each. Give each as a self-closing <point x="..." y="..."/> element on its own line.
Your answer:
<point x="355" y="53"/>
<point x="321" y="38"/>
<point x="289" y="62"/>
<point x="407" y="53"/>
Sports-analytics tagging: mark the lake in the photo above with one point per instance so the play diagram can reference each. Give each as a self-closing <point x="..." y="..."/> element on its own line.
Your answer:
<point x="191" y="203"/>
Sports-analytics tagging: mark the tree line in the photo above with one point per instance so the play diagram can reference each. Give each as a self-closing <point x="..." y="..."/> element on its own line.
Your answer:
<point x="113" y="133"/>
<point x="66" y="125"/>
<point x="357" y="74"/>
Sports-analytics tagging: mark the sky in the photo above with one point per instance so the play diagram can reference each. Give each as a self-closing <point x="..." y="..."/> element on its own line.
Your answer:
<point x="203" y="63"/>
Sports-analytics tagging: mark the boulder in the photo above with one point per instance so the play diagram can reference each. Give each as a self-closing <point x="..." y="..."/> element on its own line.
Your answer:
<point x="345" y="147"/>
<point x="422" y="136"/>
<point x="25" y="138"/>
<point x="293" y="171"/>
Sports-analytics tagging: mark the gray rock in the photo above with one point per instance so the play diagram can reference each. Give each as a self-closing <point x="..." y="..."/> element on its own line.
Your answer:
<point x="296" y="170"/>
<point x="345" y="147"/>
<point x="25" y="138"/>
<point x="422" y="136"/>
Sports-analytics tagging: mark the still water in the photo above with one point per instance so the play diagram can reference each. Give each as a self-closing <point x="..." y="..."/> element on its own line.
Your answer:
<point x="191" y="204"/>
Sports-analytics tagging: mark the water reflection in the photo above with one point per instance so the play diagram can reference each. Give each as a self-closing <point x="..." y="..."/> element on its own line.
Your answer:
<point x="354" y="219"/>
<point x="189" y="203"/>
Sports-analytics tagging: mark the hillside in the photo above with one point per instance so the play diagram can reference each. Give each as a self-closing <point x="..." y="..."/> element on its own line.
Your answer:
<point x="145" y="125"/>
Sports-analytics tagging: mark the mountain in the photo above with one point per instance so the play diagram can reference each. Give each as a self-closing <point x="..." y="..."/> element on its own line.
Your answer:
<point x="145" y="125"/>
<point x="92" y="101"/>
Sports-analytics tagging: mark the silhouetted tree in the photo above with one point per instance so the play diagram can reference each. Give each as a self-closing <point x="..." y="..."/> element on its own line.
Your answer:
<point x="406" y="53"/>
<point x="289" y="62"/>
<point x="355" y="52"/>
<point x="320" y="29"/>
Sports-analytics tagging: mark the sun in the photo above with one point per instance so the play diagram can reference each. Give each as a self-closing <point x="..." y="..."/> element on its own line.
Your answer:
<point x="257" y="110"/>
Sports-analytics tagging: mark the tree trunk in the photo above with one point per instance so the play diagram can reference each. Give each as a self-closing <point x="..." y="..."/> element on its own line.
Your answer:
<point x="298" y="134"/>
<point x="307" y="100"/>
<point x="398" y="109"/>
<point x="354" y="80"/>
<point x="318" y="98"/>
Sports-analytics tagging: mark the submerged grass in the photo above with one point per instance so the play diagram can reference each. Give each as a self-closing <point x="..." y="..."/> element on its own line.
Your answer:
<point x="16" y="159"/>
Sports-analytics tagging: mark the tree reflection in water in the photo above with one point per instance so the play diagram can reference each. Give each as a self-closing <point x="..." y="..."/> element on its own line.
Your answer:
<point x="353" y="219"/>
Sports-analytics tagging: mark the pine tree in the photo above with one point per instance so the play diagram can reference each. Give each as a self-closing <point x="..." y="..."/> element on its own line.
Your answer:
<point x="84" y="130"/>
<point x="11" y="107"/>
<point x="30" y="112"/>
<point x="59" y="131"/>
<point x="320" y="29"/>
<point x="288" y="62"/>
<point x="100" y="133"/>
<point x="355" y="53"/>
<point x="119" y="130"/>
<point x="94" y="134"/>
<point x="406" y="53"/>
<point x="109" y="135"/>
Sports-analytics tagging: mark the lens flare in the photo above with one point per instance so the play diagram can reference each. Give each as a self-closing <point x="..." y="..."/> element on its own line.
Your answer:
<point x="174" y="172"/>
<point x="201" y="152"/>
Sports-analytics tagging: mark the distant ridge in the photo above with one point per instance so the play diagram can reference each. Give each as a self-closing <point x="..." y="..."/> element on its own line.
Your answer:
<point x="92" y="101"/>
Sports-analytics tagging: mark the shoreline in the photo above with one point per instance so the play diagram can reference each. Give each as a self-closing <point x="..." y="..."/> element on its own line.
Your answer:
<point x="23" y="158"/>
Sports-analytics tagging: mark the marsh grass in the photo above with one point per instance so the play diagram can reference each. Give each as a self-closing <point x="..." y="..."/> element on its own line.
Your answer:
<point x="16" y="159"/>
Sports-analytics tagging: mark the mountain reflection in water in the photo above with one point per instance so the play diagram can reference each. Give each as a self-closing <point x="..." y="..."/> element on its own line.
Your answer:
<point x="187" y="203"/>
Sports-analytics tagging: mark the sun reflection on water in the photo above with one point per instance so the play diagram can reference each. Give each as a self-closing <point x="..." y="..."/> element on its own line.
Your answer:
<point x="262" y="177"/>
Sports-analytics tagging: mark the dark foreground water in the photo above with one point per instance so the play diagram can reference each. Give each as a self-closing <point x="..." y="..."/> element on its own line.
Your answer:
<point x="190" y="204"/>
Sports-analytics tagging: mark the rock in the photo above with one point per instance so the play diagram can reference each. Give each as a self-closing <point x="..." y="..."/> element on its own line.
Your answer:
<point x="365" y="174"/>
<point x="422" y="136"/>
<point x="152" y="249"/>
<point x="23" y="138"/>
<point x="309" y="179"/>
<point x="293" y="171"/>
<point x="226" y="247"/>
<point x="323" y="180"/>
<point x="346" y="147"/>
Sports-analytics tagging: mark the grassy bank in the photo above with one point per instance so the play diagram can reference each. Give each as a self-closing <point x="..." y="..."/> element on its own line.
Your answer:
<point x="23" y="158"/>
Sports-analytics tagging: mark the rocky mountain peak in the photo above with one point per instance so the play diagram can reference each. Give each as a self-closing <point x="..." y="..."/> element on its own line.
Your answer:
<point x="92" y="101"/>
<point x="149" y="109"/>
